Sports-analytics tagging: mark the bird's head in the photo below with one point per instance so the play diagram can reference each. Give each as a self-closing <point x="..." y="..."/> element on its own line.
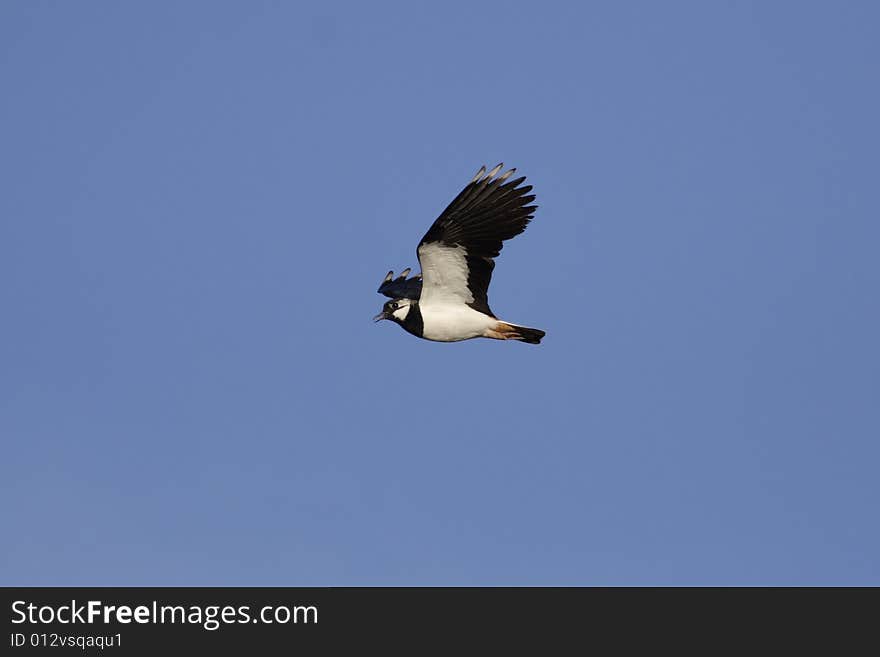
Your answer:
<point x="396" y="310"/>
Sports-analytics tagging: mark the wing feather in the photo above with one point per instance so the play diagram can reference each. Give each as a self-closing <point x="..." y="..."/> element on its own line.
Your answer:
<point x="457" y="253"/>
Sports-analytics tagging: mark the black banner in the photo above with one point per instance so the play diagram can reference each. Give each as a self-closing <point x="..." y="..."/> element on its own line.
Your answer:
<point x="153" y="620"/>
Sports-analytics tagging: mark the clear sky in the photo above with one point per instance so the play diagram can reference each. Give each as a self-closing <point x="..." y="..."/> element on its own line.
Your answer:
<point x="200" y="199"/>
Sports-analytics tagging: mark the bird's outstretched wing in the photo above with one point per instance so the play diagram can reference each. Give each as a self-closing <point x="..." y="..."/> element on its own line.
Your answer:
<point x="401" y="287"/>
<point x="457" y="253"/>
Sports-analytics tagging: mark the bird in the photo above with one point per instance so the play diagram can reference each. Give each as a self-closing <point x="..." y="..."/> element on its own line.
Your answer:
<point x="448" y="301"/>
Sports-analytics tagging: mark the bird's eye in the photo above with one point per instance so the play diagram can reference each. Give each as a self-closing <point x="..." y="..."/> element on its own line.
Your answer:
<point x="394" y="306"/>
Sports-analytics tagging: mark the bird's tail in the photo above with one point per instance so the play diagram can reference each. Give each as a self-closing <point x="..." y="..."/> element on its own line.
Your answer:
<point x="507" y="331"/>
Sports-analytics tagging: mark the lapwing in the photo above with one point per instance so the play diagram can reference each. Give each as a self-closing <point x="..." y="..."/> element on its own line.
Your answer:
<point x="448" y="301"/>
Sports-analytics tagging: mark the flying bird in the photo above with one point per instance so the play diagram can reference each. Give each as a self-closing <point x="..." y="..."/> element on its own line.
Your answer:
<point x="448" y="301"/>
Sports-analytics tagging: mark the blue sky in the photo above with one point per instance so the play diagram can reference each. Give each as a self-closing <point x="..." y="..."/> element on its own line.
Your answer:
<point x="200" y="199"/>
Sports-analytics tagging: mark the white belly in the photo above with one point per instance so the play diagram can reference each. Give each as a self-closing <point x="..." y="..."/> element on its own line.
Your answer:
<point x="453" y="322"/>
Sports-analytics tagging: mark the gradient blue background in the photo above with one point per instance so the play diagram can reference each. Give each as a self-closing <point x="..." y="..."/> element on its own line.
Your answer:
<point x="200" y="199"/>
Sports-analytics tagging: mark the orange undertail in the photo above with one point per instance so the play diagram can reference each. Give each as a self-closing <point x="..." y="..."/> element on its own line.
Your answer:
<point x="506" y="331"/>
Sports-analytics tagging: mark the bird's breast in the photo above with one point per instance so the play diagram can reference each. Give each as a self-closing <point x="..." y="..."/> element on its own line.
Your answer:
<point x="453" y="322"/>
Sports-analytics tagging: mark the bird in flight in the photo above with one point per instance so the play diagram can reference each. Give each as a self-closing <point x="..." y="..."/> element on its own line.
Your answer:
<point x="448" y="301"/>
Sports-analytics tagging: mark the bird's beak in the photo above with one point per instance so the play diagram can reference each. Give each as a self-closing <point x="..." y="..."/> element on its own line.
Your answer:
<point x="380" y="317"/>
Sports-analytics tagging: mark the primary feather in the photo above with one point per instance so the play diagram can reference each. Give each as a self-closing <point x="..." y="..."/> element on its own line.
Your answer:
<point x="457" y="253"/>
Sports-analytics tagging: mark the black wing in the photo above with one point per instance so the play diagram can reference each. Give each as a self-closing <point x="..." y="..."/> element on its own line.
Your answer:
<point x="457" y="252"/>
<point x="401" y="287"/>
